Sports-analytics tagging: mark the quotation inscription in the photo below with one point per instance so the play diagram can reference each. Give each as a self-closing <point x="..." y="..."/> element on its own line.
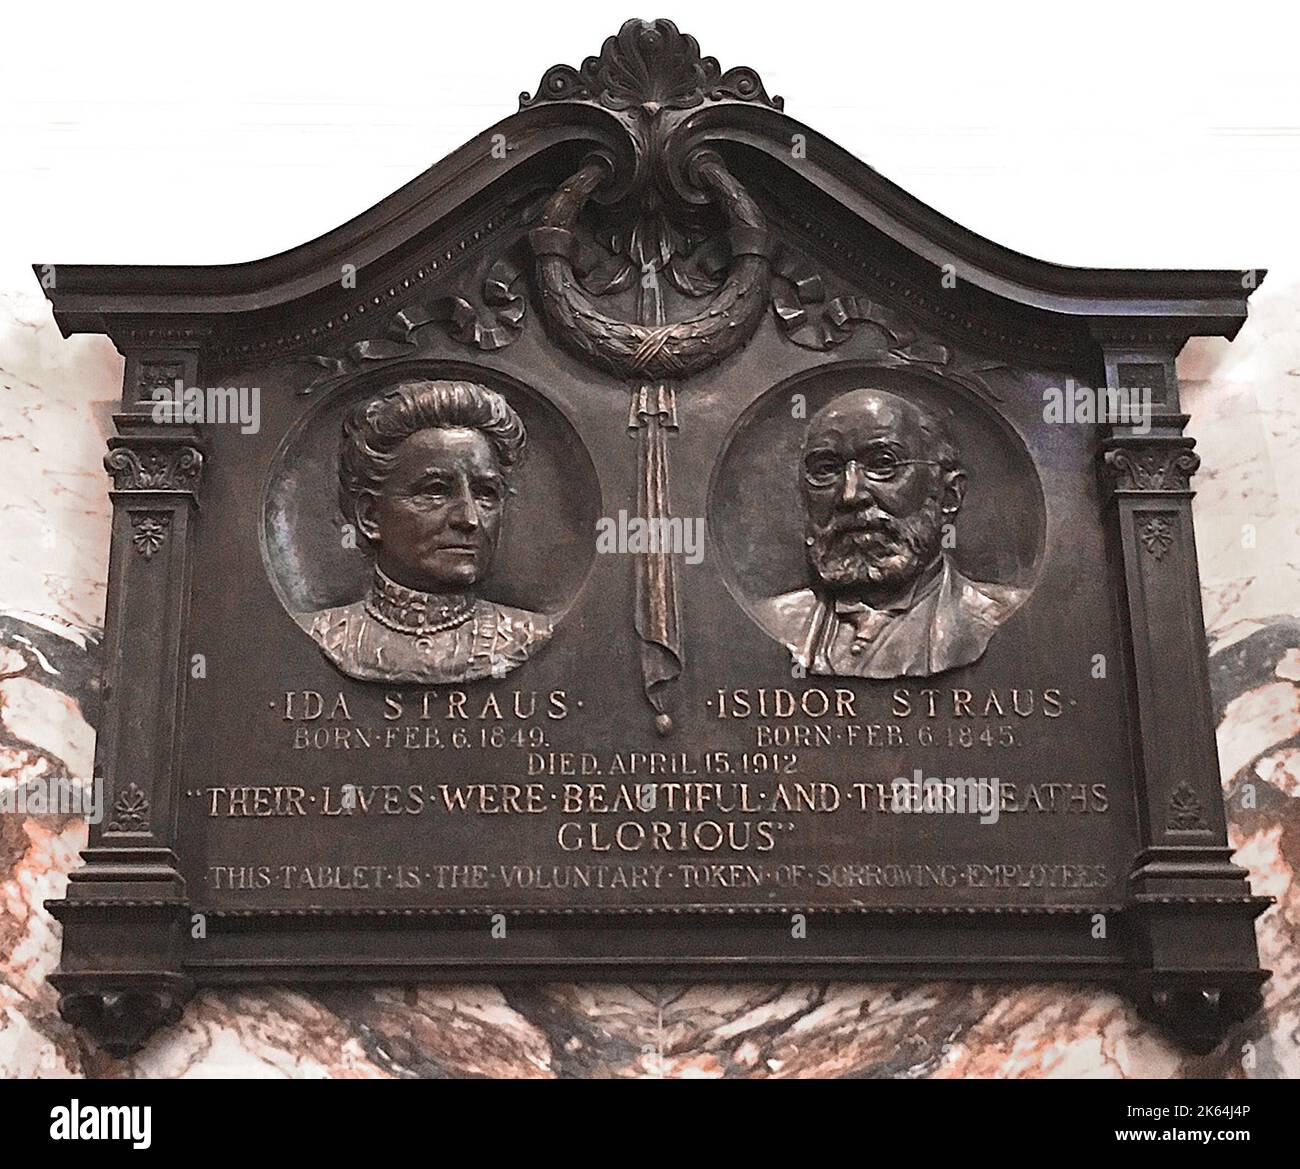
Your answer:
<point x="675" y="821"/>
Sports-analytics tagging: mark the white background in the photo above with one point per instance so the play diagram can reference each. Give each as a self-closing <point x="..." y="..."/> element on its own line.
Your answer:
<point x="1115" y="134"/>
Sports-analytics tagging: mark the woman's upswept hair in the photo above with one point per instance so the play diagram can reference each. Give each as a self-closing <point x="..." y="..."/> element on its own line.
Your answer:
<point x="375" y="428"/>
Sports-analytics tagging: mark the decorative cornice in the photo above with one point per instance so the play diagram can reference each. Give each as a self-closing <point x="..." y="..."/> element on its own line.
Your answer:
<point x="651" y="66"/>
<point x="145" y="333"/>
<point x="1170" y="336"/>
<point x="1060" y="349"/>
<point x="494" y="326"/>
<point x="461" y="318"/>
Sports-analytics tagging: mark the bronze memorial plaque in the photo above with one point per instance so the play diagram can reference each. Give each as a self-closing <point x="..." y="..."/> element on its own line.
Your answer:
<point x="651" y="544"/>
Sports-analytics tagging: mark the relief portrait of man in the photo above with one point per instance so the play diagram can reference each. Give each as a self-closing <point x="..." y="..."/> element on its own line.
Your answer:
<point x="881" y="481"/>
<point x="424" y="479"/>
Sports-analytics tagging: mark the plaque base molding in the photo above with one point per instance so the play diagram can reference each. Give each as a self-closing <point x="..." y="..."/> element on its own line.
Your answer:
<point x="1173" y="957"/>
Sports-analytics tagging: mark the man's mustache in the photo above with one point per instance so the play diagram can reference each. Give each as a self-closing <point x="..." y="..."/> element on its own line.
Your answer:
<point x="861" y="523"/>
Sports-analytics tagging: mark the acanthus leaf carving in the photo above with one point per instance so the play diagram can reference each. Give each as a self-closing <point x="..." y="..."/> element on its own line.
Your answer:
<point x="153" y="466"/>
<point x="1153" y="466"/>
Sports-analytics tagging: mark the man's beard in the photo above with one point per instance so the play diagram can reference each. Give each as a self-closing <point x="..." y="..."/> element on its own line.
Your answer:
<point x="871" y="549"/>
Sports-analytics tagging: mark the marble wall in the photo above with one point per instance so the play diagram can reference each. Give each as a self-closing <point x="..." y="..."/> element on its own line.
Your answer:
<point x="56" y="397"/>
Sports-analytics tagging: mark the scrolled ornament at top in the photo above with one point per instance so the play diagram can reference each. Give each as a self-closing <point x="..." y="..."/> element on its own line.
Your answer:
<point x="650" y="66"/>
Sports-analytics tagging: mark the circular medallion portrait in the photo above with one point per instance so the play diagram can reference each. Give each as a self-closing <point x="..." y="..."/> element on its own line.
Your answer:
<point x="876" y="522"/>
<point x="431" y="525"/>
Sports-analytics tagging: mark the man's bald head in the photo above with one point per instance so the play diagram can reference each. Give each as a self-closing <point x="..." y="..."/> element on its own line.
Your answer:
<point x="869" y="411"/>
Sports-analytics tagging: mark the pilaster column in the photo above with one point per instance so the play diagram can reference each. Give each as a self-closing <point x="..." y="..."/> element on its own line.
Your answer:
<point x="1190" y="908"/>
<point x="121" y="975"/>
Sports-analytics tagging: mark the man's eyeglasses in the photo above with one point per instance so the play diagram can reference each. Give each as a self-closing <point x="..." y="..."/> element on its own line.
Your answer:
<point x="879" y="466"/>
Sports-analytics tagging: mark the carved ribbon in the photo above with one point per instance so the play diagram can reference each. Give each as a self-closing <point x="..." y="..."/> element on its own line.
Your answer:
<point x="807" y="318"/>
<point x="506" y="309"/>
<point x="658" y="610"/>
<point x="463" y="319"/>
<point x="653" y="412"/>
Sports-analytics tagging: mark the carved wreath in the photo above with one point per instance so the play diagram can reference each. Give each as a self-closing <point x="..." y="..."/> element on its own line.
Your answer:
<point x="672" y="350"/>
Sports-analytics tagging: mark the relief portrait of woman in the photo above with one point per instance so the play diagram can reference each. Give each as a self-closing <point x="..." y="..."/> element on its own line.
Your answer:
<point x="424" y="475"/>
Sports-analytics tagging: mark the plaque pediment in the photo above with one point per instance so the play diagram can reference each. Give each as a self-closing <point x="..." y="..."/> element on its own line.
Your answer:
<point x="648" y="104"/>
